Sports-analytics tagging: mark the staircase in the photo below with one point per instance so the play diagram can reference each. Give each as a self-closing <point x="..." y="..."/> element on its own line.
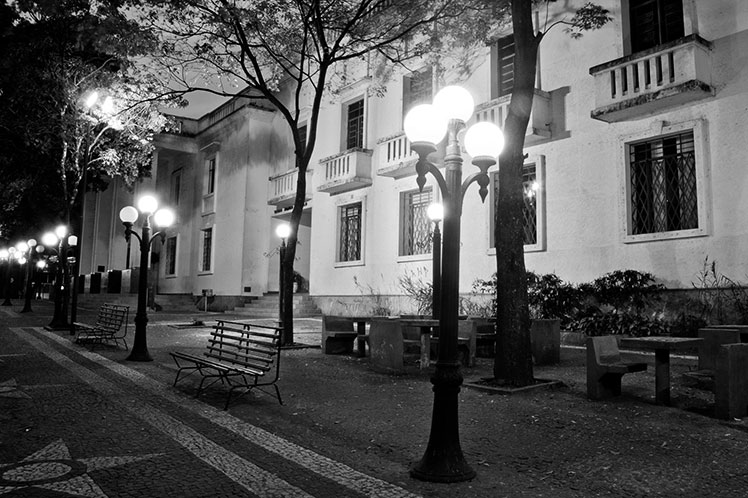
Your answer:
<point x="267" y="307"/>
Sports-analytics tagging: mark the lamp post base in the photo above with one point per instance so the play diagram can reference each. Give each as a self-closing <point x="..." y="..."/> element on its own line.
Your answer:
<point x="139" y="355"/>
<point x="443" y="460"/>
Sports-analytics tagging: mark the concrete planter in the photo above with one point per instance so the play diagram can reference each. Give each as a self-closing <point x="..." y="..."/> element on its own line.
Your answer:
<point x="545" y="341"/>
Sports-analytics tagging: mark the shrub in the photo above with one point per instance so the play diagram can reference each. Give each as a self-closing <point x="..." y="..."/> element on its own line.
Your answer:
<point x="615" y="323"/>
<point x="626" y="290"/>
<point x="551" y="297"/>
<point x="413" y="284"/>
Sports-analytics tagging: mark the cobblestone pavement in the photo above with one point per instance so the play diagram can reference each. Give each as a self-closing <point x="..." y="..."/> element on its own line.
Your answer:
<point x="76" y="422"/>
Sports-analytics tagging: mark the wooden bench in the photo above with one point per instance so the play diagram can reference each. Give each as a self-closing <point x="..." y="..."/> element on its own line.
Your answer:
<point x="605" y="367"/>
<point x="239" y="355"/>
<point x="338" y="335"/>
<point x="107" y="328"/>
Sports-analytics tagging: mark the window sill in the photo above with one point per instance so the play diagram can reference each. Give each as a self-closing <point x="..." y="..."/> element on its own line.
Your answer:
<point x="527" y="248"/>
<point x="173" y="275"/>
<point x="414" y="257"/>
<point x="348" y="264"/>
<point x="654" y="237"/>
<point x="204" y="273"/>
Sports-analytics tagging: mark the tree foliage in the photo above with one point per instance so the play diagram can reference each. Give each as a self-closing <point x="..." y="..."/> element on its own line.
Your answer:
<point x="57" y="54"/>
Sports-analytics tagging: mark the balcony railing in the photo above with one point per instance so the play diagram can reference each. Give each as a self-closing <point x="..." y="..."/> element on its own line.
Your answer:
<point x="283" y="188"/>
<point x="648" y="82"/>
<point x="396" y="160"/>
<point x="539" y="126"/>
<point x="349" y="170"/>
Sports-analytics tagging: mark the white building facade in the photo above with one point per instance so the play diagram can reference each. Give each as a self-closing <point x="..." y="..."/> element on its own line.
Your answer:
<point x="635" y="160"/>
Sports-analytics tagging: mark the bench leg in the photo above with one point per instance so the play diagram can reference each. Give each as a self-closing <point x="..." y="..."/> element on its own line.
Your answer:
<point x="607" y="386"/>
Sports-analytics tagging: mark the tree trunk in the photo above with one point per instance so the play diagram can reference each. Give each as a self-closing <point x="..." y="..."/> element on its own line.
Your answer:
<point x="513" y="362"/>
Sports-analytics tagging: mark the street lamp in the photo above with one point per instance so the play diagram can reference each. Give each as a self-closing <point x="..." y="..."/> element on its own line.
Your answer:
<point x="283" y="231"/>
<point x="435" y="212"/>
<point x="30" y="248"/>
<point x="63" y="241"/>
<point x="148" y="206"/>
<point x="425" y="126"/>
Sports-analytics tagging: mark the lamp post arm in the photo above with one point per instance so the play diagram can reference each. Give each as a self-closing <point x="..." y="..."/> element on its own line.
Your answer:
<point x="161" y="235"/>
<point x="130" y="232"/>
<point x="423" y="166"/>
<point x="483" y="180"/>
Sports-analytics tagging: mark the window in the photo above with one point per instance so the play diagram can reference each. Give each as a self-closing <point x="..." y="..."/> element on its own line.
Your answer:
<point x="533" y="178"/>
<point x="415" y="225"/>
<point x="355" y="125"/>
<point x="211" y="180"/>
<point x="503" y="66"/>
<point x="176" y="186"/>
<point x="349" y="232"/>
<point x="654" y="22"/>
<point x="418" y="88"/>
<point x="207" y="250"/>
<point x="662" y="185"/>
<point x="171" y="256"/>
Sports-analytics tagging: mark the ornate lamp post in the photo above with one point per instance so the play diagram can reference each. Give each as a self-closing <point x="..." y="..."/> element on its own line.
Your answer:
<point x="435" y="213"/>
<point x="30" y="246"/>
<point x="63" y="242"/>
<point x="425" y="125"/>
<point x="282" y="231"/>
<point x="147" y="205"/>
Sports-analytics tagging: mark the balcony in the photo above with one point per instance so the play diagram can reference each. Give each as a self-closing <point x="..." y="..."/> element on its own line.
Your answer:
<point x="349" y="170"/>
<point x="539" y="126"/>
<point x="283" y="188"/>
<point x="648" y="82"/>
<point x="396" y="160"/>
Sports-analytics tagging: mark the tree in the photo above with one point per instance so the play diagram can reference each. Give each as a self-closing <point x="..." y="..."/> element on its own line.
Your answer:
<point x="58" y="55"/>
<point x="513" y="361"/>
<point x="285" y="52"/>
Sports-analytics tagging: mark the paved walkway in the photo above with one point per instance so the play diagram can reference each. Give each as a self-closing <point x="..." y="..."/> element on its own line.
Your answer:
<point x="79" y="423"/>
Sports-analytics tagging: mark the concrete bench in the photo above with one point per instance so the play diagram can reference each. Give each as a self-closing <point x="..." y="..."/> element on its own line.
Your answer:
<point x="338" y="335"/>
<point x="714" y="338"/>
<point x="731" y="381"/>
<point x="605" y="367"/>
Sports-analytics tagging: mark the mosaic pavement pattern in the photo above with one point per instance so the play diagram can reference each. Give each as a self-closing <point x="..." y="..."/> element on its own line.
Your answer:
<point x="52" y="466"/>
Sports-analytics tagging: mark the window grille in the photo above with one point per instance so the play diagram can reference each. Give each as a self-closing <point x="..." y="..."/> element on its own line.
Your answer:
<point x="349" y="243"/>
<point x="171" y="256"/>
<point x="211" y="175"/>
<point x="663" y="185"/>
<point x="530" y="187"/>
<point x="416" y="226"/>
<point x="355" y="134"/>
<point x="530" y="208"/>
<point x="207" y="248"/>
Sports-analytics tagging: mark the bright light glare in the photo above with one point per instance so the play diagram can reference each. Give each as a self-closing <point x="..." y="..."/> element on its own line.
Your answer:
<point x="424" y="123"/>
<point x="283" y="230"/>
<point x="91" y="99"/>
<point x="108" y="105"/>
<point x="22" y="247"/>
<point x="484" y="139"/>
<point x="61" y="231"/>
<point x="147" y="204"/>
<point x="50" y="239"/>
<point x="41" y="264"/>
<point x="454" y="102"/>
<point x="128" y="214"/>
<point x="4" y="254"/>
<point x="22" y="260"/>
<point x="73" y="240"/>
<point x="31" y="242"/>
<point x="164" y="217"/>
<point x="435" y="212"/>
